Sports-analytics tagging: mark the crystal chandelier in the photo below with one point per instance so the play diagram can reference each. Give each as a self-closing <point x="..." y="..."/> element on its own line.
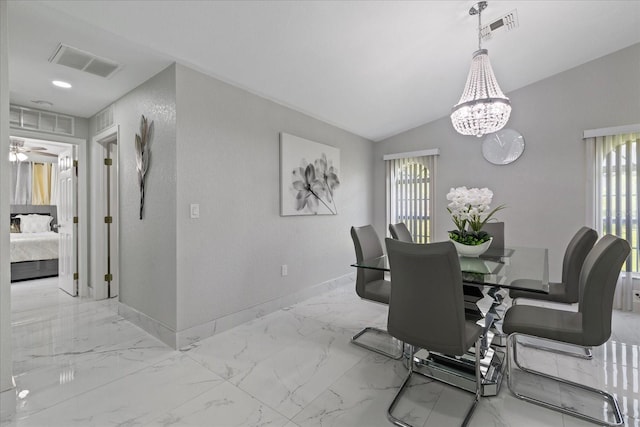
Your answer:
<point x="482" y="108"/>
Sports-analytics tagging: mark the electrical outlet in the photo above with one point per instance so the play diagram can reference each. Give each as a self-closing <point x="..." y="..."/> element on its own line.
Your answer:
<point x="636" y="296"/>
<point x="284" y="270"/>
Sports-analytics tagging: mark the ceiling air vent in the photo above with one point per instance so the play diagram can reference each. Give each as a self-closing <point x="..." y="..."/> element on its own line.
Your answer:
<point x="507" y="22"/>
<point x="83" y="61"/>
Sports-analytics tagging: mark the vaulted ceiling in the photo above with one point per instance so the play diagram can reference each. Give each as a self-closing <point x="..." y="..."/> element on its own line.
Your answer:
<point x="375" y="68"/>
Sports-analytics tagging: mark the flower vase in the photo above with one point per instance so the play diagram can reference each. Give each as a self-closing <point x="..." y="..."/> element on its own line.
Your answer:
<point x="472" y="250"/>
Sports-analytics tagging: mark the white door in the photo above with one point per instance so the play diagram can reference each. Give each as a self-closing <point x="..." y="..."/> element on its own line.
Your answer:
<point x="67" y="212"/>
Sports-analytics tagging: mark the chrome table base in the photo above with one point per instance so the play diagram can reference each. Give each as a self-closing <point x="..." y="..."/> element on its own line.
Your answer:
<point x="460" y="371"/>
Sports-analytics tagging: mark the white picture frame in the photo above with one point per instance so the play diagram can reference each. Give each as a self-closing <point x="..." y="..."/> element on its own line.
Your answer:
<point x="309" y="177"/>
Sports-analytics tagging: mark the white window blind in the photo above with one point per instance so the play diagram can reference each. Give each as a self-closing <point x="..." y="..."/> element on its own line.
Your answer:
<point x="410" y="189"/>
<point x="617" y="179"/>
<point x="615" y="199"/>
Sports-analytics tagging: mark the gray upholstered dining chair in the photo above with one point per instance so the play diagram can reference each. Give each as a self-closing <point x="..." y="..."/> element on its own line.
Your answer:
<point x="400" y="232"/>
<point x="589" y="326"/>
<point x="426" y="308"/>
<point x="371" y="285"/>
<point x="496" y="230"/>
<point x="566" y="291"/>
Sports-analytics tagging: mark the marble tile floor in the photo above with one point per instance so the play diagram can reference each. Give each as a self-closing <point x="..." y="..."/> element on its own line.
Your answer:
<point x="78" y="363"/>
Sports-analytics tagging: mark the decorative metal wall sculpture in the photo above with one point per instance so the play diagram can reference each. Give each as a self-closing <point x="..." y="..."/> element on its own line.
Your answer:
<point x="143" y="155"/>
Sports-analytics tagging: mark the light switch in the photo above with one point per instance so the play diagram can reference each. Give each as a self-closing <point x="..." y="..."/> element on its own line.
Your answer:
<point x="195" y="210"/>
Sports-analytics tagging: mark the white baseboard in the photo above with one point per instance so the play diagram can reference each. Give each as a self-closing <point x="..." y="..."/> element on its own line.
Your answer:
<point x="148" y="324"/>
<point x="188" y="337"/>
<point x="184" y="339"/>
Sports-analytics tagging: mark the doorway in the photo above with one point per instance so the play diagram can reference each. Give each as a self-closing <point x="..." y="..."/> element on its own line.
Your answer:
<point x="44" y="183"/>
<point x="53" y="146"/>
<point x="104" y="214"/>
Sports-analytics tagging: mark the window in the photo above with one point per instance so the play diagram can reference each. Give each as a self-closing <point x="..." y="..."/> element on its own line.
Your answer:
<point x="410" y="184"/>
<point x="612" y="196"/>
<point x="34" y="183"/>
<point x="617" y="180"/>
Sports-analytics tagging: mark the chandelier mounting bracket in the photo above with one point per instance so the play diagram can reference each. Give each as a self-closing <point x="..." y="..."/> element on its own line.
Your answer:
<point x="477" y="8"/>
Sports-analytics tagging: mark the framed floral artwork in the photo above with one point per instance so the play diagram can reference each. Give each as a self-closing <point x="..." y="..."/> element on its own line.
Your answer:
<point x="309" y="177"/>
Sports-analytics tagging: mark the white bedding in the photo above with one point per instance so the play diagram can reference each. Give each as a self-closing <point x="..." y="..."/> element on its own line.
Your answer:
<point x="34" y="246"/>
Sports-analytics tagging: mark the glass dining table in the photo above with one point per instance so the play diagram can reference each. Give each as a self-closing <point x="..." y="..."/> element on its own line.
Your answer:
<point x="486" y="282"/>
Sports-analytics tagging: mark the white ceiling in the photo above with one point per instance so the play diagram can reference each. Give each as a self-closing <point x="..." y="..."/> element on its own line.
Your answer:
<point x="375" y="68"/>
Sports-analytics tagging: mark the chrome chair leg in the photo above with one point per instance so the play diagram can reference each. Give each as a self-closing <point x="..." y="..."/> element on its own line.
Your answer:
<point x="478" y="383"/>
<point x="512" y="344"/>
<point x="395" y="356"/>
<point x="396" y="398"/>
<point x="411" y="354"/>
<point x="583" y="352"/>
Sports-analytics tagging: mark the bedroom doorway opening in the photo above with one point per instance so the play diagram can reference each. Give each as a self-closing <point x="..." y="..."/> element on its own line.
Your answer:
<point x="105" y="219"/>
<point x="40" y="187"/>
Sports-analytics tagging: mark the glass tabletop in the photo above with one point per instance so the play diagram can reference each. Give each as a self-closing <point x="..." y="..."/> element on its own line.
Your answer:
<point x="496" y="268"/>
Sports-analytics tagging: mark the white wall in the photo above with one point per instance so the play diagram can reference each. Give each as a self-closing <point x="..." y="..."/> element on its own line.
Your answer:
<point x="218" y="146"/>
<point x="545" y="189"/>
<point x="5" y="270"/>
<point x="228" y="162"/>
<point x="148" y="247"/>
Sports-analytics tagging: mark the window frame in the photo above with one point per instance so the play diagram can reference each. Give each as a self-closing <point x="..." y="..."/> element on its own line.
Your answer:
<point x="394" y="165"/>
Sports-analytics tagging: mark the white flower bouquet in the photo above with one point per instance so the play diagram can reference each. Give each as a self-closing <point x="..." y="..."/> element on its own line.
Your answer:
<point x="470" y="207"/>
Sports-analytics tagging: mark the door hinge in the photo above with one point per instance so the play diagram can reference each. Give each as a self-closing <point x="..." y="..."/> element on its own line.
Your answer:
<point x="75" y="276"/>
<point x="108" y="277"/>
<point x="75" y="163"/>
<point x="108" y="162"/>
<point x="75" y="219"/>
<point x="108" y="219"/>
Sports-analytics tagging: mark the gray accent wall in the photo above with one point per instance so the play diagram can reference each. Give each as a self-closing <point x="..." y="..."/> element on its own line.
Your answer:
<point x="229" y="259"/>
<point x="218" y="146"/>
<point x="545" y="189"/>
<point x="148" y="247"/>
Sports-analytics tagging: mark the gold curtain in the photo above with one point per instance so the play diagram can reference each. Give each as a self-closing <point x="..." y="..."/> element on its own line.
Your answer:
<point x="41" y="184"/>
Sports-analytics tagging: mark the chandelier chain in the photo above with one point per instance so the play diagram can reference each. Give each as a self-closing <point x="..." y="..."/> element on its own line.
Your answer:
<point x="480" y="26"/>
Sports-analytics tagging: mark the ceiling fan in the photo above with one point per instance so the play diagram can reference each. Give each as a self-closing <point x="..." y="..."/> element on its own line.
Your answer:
<point x="19" y="153"/>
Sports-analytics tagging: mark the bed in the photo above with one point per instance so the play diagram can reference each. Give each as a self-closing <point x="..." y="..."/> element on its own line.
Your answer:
<point x="34" y="242"/>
